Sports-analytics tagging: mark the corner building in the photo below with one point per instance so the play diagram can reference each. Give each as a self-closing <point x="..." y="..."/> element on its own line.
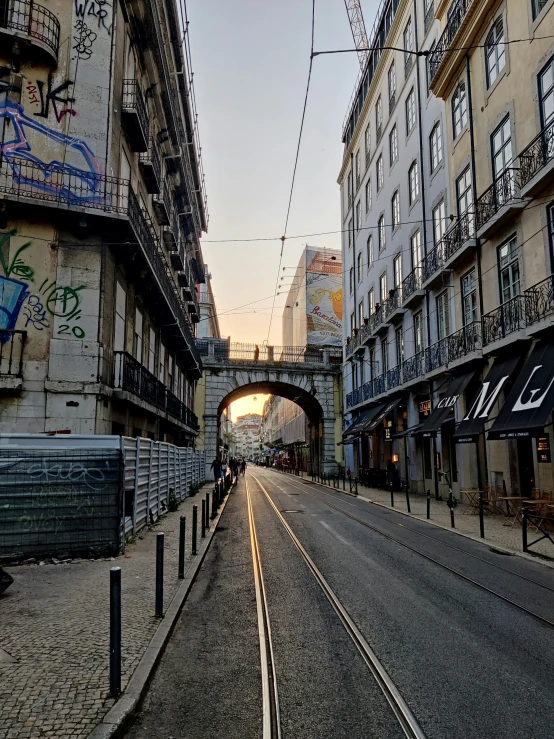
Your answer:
<point x="102" y="206"/>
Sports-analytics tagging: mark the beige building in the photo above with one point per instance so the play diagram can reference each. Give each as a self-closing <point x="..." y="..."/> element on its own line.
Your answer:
<point x="102" y="205"/>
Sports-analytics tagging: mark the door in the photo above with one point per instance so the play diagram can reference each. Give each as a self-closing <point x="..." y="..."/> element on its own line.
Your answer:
<point x="526" y="467"/>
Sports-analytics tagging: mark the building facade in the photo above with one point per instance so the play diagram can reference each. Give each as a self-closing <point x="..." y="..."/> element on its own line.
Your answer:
<point x="246" y="435"/>
<point x="102" y="206"/>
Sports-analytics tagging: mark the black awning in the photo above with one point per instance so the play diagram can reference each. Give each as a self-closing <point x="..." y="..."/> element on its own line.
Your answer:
<point x="360" y="423"/>
<point x="381" y="415"/>
<point x="530" y="402"/>
<point x="496" y="380"/>
<point x="407" y="432"/>
<point x="440" y="412"/>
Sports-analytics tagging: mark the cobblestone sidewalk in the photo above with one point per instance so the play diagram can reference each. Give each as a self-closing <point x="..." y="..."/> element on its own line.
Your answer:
<point x="55" y="625"/>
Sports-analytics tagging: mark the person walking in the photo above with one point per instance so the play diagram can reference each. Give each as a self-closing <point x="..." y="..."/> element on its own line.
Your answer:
<point x="256" y="353"/>
<point x="216" y="467"/>
<point x="243" y="466"/>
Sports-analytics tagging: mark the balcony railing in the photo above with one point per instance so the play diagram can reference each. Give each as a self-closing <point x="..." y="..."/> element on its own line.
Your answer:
<point x="539" y="301"/>
<point x="223" y="351"/>
<point x="11" y="352"/>
<point x="393" y="302"/>
<point x="453" y="347"/>
<point x="456" y="15"/>
<point x="504" y="320"/>
<point x="162" y="206"/>
<point x="412" y="282"/>
<point x="457" y="235"/>
<point x="537" y="154"/>
<point x="379" y="384"/>
<point x="394" y="377"/>
<point x="377" y="318"/>
<point x="33" y="20"/>
<point x="150" y="164"/>
<point x="413" y="367"/>
<point x="131" y="376"/>
<point x="502" y="191"/>
<point x="134" y="109"/>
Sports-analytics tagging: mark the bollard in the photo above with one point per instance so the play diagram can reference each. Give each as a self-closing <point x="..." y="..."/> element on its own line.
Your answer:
<point x="194" y="527"/>
<point x="159" y="575"/>
<point x="182" y="531"/>
<point x="451" y="506"/>
<point x="203" y="519"/>
<point x="355" y="486"/>
<point x="428" y="503"/>
<point x="391" y="496"/>
<point x="115" y="631"/>
<point x="408" y="499"/>
<point x="207" y="511"/>
<point x="481" y="518"/>
<point x="524" y="527"/>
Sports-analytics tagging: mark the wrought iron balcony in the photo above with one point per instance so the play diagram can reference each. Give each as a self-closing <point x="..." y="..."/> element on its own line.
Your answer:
<point x="162" y="206"/>
<point x="35" y="21"/>
<point x="539" y="301"/>
<point x="393" y="303"/>
<point x="11" y="351"/>
<point x="177" y="257"/>
<point x="135" y="115"/>
<point x="456" y="14"/>
<point x="394" y="377"/>
<point x="131" y="376"/>
<point x="412" y="284"/>
<point x="413" y="367"/>
<point x="504" y="320"/>
<point x="459" y="234"/>
<point x="379" y="385"/>
<point x="429" y="16"/>
<point x="377" y="318"/>
<point x="454" y="347"/>
<point x="150" y="165"/>
<point x="367" y="390"/>
<point x="496" y="200"/>
<point x="534" y="160"/>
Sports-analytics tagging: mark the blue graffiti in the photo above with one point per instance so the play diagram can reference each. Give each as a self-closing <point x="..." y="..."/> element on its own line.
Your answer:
<point x="13" y="294"/>
<point x="63" y="180"/>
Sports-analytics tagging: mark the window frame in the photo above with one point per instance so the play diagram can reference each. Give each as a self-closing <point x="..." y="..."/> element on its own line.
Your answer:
<point x="501" y="151"/>
<point x="380" y="171"/>
<point x="368" y="198"/>
<point x="369" y="252"/>
<point x="382" y="235"/>
<point x="440" y="223"/>
<point x="416" y="234"/>
<point x="513" y="260"/>
<point x="413" y="182"/>
<point x="490" y="50"/>
<point x="436" y="151"/>
<point x="472" y="293"/>
<point x="359" y="265"/>
<point x="459" y="105"/>
<point x="395" y="210"/>
<point x="410" y="112"/>
<point x="393" y="145"/>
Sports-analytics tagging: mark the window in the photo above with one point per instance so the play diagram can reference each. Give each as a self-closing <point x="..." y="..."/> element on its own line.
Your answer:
<point x="410" y="111"/>
<point x="371" y="301"/>
<point x="385" y="355"/>
<point x="439" y="221"/>
<point x="381" y="233"/>
<point x="413" y="180"/>
<point x="399" y="342"/>
<point x="369" y="252"/>
<point x="380" y="176"/>
<point x="408" y="40"/>
<point x="355" y="383"/>
<point x="418" y="332"/>
<point x="358" y="216"/>
<point x="469" y="297"/>
<point x="350" y="234"/>
<point x="395" y="210"/>
<point x="392" y="85"/>
<point x="351" y="280"/>
<point x="464" y="197"/>
<point x="397" y="267"/>
<point x="349" y="188"/>
<point x="357" y="165"/>
<point x="152" y="351"/>
<point x="359" y="262"/>
<point x="368" y="196"/>
<point x="443" y="318"/>
<point x="120" y="318"/>
<point x="546" y="93"/>
<point x="508" y="265"/>
<point x="538" y="6"/>
<point x="137" y="338"/>
<point x="161" y="364"/>
<point x="429" y="57"/>
<point x="372" y="363"/>
<point x="393" y="145"/>
<point x="379" y="116"/>
<point x="367" y="138"/>
<point x="501" y="145"/>
<point x="383" y="288"/>
<point x="361" y="313"/>
<point x="435" y="147"/>
<point x="352" y="322"/>
<point x="415" y="248"/>
<point x="459" y="109"/>
<point x="495" y="52"/>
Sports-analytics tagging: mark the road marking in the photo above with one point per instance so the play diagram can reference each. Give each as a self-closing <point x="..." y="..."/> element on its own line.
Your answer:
<point x="337" y="536"/>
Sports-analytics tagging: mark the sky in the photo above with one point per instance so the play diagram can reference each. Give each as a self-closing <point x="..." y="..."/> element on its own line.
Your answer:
<point x="250" y="60"/>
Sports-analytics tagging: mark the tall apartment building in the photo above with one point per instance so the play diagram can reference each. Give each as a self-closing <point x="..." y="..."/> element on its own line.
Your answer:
<point x="246" y="435"/>
<point x="395" y="202"/>
<point x="102" y="206"/>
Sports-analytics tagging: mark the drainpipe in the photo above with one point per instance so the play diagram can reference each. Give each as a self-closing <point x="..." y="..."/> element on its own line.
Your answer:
<point x="354" y="240"/>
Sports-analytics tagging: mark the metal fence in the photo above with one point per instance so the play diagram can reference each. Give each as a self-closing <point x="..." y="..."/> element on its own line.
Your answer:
<point x="222" y="351"/>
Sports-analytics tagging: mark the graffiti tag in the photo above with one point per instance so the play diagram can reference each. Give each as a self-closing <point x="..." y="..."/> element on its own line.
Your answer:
<point x="35" y="313"/>
<point x="60" y="103"/>
<point x="84" y="40"/>
<point x="100" y="10"/>
<point x="32" y="92"/>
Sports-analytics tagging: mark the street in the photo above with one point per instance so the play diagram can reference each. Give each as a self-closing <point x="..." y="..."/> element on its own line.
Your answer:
<point x="463" y="633"/>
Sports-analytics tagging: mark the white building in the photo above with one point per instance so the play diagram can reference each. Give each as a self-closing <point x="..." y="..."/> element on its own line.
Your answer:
<point x="246" y="435"/>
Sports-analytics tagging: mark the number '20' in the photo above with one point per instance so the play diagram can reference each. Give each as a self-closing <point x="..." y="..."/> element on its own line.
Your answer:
<point x="77" y="331"/>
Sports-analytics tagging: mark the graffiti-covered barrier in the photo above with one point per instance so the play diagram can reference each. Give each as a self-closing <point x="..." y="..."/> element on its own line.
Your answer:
<point x="80" y="495"/>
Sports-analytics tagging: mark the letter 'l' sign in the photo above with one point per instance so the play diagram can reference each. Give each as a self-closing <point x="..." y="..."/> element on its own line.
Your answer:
<point x="531" y="403"/>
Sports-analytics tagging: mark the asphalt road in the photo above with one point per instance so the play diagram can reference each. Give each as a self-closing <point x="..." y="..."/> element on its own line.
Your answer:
<point x="467" y="663"/>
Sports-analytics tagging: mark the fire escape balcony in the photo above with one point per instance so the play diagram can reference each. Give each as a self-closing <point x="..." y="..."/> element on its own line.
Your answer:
<point x="456" y="15"/>
<point x="11" y="356"/>
<point x="412" y="287"/>
<point x="536" y="162"/>
<point x="162" y="206"/>
<point x="457" y="244"/>
<point x="135" y="115"/>
<point x="456" y="349"/>
<point x="539" y="305"/>
<point x="504" y="324"/>
<point x="498" y="203"/>
<point x="151" y="168"/>
<point x="32" y="24"/>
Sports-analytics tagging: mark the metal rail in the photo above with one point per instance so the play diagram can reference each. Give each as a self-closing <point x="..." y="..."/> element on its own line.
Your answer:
<point x="399" y="706"/>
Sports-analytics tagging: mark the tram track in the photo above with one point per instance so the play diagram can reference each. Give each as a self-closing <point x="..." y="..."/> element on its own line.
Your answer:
<point x="429" y="558"/>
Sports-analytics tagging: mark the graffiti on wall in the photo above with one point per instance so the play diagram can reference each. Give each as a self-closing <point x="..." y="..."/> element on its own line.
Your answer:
<point x="57" y="97"/>
<point x="84" y="39"/>
<point x="96" y="11"/>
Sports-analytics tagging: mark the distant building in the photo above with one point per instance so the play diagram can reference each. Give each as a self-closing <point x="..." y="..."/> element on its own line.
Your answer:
<point x="246" y="435"/>
<point x="208" y="325"/>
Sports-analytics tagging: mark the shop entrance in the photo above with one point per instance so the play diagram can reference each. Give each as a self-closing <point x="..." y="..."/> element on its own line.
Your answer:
<point x="526" y="467"/>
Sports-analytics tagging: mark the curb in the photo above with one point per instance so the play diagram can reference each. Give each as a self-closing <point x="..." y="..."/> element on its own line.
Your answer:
<point x="537" y="559"/>
<point x="118" y="717"/>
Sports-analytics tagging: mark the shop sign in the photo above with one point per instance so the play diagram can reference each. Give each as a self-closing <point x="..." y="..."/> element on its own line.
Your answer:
<point x="543" y="449"/>
<point x="387" y="433"/>
<point x="424" y="408"/>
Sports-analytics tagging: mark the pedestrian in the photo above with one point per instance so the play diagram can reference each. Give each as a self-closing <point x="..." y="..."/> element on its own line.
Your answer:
<point x="216" y="467"/>
<point x="256" y="353"/>
<point x="243" y="466"/>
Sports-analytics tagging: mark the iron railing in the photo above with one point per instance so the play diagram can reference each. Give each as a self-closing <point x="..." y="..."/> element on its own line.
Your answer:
<point x="503" y="190"/>
<point x="162" y="205"/>
<point x="539" y="301"/>
<point x="504" y="320"/>
<point x="453" y="347"/>
<point x="436" y="355"/>
<point x="377" y="318"/>
<point x="151" y="158"/>
<point x="11" y="352"/>
<point x="367" y="390"/>
<point x="394" y="377"/>
<point x="133" y="100"/>
<point x="131" y="376"/>
<point x="456" y="15"/>
<point x="379" y="384"/>
<point x="413" y="367"/>
<point x="33" y="20"/>
<point x="224" y="351"/>
<point x="537" y="154"/>
<point x="393" y="302"/>
<point x="413" y="282"/>
<point x="462" y="230"/>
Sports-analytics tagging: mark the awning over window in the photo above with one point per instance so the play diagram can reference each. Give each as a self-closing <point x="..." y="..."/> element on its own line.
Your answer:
<point x="383" y="413"/>
<point x="496" y="380"/>
<point x="440" y="412"/>
<point x="360" y="423"/>
<point x="407" y="432"/>
<point x="528" y="406"/>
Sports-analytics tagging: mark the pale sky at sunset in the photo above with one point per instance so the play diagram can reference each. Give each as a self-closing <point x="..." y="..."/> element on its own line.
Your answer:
<point x="250" y="61"/>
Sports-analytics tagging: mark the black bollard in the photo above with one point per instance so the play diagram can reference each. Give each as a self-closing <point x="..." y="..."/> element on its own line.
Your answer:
<point x="391" y="496"/>
<point x="408" y="499"/>
<point x="203" y="519"/>
<point x="481" y="517"/>
<point x="428" y="503"/>
<point x="451" y="505"/>
<point x="207" y="511"/>
<point x="524" y="527"/>
<point x="182" y="531"/>
<point x="115" y="631"/>
<point x="194" y="527"/>
<point x="159" y="575"/>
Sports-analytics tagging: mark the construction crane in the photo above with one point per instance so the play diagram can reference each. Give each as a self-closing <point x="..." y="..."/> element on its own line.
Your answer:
<point x="359" y="33"/>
